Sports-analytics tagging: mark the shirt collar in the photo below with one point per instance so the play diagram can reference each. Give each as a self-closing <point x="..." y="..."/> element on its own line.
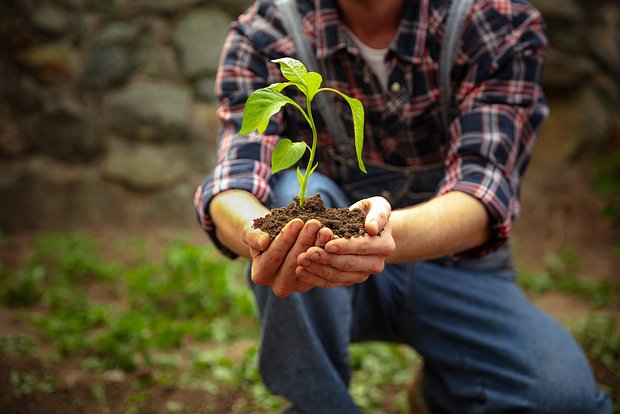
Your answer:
<point x="408" y="43"/>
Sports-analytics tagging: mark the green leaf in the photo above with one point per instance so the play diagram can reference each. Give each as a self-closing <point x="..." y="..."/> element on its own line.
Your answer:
<point x="313" y="168"/>
<point x="292" y="69"/>
<point x="279" y="86"/>
<point x="260" y="106"/>
<point x="300" y="176"/>
<point x="357" y="109"/>
<point x="286" y="154"/>
<point x="313" y="82"/>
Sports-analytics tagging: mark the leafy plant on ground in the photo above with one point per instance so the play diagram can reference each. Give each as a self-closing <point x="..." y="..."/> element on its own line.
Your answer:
<point x="24" y="288"/>
<point x="263" y="103"/>
<point x="203" y="336"/>
<point x="72" y="257"/>
<point x="146" y="305"/>
<point x="27" y="382"/>
<point x="560" y="274"/>
<point x="17" y="344"/>
<point x="599" y="335"/>
<point x="378" y="367"/>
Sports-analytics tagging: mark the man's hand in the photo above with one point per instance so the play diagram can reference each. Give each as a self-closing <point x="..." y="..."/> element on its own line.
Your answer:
<point x="274" y="262"/>
<point x="344" y="262"/>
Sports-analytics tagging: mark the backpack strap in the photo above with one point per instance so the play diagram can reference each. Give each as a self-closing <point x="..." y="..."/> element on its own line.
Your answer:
<point x="454" y="28"/>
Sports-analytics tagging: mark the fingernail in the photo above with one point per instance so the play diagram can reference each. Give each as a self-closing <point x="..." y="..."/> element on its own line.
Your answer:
<point x="374" y="224"/>
<point x="331" y="248"/>
<point x="313" y="228"/>
<point x="297" y="226"/>
<point x="314" y="256"/>
<point x="323" y="238"/>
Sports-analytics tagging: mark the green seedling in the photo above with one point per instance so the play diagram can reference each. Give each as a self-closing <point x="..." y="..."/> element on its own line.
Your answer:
<point x="263" y="103"/>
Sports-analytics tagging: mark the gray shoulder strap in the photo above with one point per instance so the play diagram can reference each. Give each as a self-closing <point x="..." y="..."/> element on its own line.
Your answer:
<point x="293" y="24"/>
<point x="454" y="27"/>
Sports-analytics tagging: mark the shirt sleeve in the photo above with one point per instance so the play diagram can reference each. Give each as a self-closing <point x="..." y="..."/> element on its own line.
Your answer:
<point x="502" y="107"/>
<point x="243" y="162"/>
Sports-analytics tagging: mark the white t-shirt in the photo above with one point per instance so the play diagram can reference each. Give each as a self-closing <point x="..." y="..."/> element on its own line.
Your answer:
<point x="375" y="58"/>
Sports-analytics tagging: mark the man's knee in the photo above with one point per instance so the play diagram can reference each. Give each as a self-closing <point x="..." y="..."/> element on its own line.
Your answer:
<point x="567" y="386"/>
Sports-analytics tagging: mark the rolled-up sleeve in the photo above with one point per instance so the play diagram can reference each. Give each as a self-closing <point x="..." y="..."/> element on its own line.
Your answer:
<point x="502" y="107"/>
<point x="243" y="162"/>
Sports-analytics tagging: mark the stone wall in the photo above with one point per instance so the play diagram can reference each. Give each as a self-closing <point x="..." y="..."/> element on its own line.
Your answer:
<point x="581" y="79"/>
<point x="107" y="113"/>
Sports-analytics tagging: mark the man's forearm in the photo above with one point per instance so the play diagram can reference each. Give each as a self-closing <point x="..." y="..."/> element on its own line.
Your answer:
<point x="231" y="211"/>
<point x="448" y="224"/>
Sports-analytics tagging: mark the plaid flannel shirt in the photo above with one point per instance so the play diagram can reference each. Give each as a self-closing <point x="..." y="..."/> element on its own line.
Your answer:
<point x="496" y="88"/>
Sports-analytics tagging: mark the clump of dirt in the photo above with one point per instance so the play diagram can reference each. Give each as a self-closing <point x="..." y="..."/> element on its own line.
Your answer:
<point x="342" y="222"/>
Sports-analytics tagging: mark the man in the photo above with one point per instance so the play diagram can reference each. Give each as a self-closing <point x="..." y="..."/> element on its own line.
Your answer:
<point x="442" y="279"/>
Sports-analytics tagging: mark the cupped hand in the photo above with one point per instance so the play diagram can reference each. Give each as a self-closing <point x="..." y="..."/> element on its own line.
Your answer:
<point x="274" y="262"/>
<point x="344" y="262"/>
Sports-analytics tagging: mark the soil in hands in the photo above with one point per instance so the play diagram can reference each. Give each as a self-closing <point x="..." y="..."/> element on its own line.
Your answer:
<point x="342" y="222"/>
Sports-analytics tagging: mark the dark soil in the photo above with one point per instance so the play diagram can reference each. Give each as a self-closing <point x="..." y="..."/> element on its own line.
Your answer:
<point x="342" y="222"/>
<point x="74" y="391"/>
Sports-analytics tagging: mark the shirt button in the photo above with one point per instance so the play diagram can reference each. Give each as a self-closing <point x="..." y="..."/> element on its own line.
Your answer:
<point x="395" y="87"/>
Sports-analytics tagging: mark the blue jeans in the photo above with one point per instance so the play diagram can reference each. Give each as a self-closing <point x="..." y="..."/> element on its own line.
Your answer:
<point x="486" y="348"/>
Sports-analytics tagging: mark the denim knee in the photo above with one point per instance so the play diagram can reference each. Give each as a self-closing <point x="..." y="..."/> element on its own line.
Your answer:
<point x="563" y="383"/>
<point x="488" y="349"/>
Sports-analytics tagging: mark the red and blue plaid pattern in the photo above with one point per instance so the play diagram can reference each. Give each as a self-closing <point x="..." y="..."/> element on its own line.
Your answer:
<point x="496" y="83"/>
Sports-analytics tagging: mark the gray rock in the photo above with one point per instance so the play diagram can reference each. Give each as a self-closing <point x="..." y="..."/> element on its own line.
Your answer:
<point x="11" y="142"/>
<point x="559" y="10"/>
<point x="567" y="26"/>
<point x="205" y="88"/>
<point x="199" y="37"/>
<point x="154" y="55"/>
<point x="605" y="38"/>
<point x="156" y="60"/>
<point x="51" y="61"/>
<point x="157" y="6"/>
<point x="564" y="71"/>
<point x="67" y="136"/>
<point x="106" y="66"/>
<point x="174" y="206"/>
<point x="50" y="19"/>
<point x="116" y="33"/>
<point x="68" y="4"/>
<point x="145" y="167"/>
<point x="40" y="193"/>
<point x="608" y="89"/>
<point x="102" y="6"/>
<point x="234" y="7"/>
<point x="577" y="124"/>
<point x="149" y="110"/>
<point x="204" y="128"/>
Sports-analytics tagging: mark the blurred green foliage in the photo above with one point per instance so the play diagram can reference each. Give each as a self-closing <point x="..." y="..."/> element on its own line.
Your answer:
<point x="560" y="274"/>
<point x="188" y="317"/>
<point x="607" y="185"/>
<point x="599" y="335"/>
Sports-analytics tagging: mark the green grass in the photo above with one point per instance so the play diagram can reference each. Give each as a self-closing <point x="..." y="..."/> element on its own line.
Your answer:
<point x="17" y="344"/>
<point x="599" y="335"/>
<point x="560" y="274"/>
<point x="188" y="318"/>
